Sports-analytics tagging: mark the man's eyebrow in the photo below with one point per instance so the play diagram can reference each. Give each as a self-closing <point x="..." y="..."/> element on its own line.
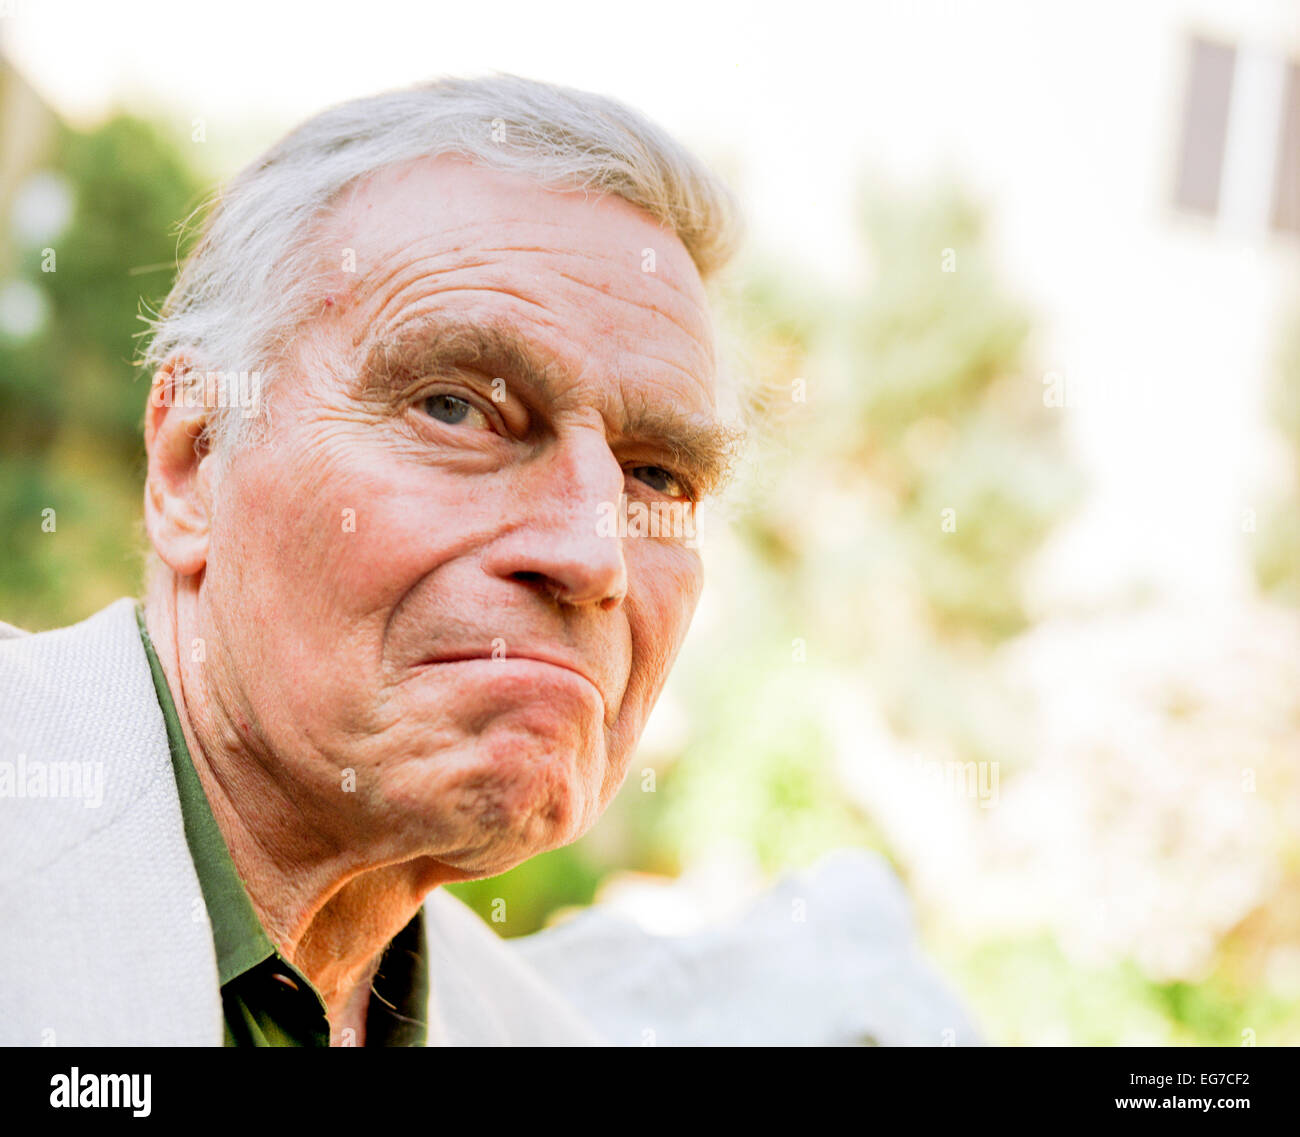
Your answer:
<point x="704" y="451"/>
<point x="700" y="448"/>
<point x="435" y="346"/>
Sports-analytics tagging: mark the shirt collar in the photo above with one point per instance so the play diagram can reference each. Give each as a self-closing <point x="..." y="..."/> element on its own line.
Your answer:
<point x="240" y="940"/>
<point x="400" y="990"/>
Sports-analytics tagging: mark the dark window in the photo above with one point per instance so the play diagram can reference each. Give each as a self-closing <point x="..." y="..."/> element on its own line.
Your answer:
<point x="1286" y="188"/>
<point x="1205" y="125"/>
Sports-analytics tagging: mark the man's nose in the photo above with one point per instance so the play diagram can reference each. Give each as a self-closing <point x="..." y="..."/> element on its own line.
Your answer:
<point x="557" y="545"/>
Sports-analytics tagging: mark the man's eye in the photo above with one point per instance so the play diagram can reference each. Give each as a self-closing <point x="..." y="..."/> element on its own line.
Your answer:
<point x="657" y="478"/>
<point x="455" y="412"/>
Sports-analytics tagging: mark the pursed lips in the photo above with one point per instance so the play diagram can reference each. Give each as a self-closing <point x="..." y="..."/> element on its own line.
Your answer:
<point x="533" y="656"/>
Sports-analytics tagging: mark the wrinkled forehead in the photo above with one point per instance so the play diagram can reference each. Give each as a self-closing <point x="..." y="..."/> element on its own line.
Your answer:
<point x="446" y="222"/>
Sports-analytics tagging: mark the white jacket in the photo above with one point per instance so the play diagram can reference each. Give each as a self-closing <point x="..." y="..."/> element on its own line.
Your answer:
<point x="104" y="939"/>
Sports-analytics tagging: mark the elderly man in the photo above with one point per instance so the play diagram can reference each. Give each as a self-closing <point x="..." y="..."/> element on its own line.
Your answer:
<point x="386" y="643"/>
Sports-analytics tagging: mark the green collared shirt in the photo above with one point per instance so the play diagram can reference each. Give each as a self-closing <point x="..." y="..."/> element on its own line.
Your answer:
<point x="267" y="1001"/>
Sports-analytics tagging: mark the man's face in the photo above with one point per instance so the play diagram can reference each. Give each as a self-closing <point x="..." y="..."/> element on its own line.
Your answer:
<point x="409" y="578"/>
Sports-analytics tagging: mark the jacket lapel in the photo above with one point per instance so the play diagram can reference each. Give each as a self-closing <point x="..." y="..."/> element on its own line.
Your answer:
<point x="104" y="939"/>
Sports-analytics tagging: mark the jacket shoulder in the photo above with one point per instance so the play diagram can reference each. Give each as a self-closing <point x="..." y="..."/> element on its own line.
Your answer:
<point x="102" y="935"/>
<point x="81" y="735"/>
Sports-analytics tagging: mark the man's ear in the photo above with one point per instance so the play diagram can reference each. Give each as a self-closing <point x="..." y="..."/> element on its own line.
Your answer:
<point x="177" y="496"/>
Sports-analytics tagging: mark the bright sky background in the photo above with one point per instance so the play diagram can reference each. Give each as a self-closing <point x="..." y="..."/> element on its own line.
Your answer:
<point x="737" y="81"/>
<point x="794" y="103"/>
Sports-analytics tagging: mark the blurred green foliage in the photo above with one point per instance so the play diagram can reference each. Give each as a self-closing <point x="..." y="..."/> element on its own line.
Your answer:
<point x="1026" y="991"/>
<point x="71" y="401"/>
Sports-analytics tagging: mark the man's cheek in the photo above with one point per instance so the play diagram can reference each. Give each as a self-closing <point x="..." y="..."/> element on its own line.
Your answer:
<point x="348" y="529"/>
<point x="661" y="606"/>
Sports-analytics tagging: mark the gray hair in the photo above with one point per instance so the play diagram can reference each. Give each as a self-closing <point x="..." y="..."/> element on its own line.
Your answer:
<point x="253" y="277"/>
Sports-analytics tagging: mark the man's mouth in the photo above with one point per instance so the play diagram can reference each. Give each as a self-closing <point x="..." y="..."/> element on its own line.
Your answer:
<point x="541" y="657"/>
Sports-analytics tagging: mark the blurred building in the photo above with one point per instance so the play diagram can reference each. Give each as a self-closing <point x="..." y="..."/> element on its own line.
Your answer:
<point x="1173" y="280"/>
<point x="1139" y="166"/>
<point x="1146" y="194"/>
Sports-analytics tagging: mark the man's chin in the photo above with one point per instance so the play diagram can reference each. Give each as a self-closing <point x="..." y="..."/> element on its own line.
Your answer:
<point x="499" y="799"/>
<point x="486" y="853"/>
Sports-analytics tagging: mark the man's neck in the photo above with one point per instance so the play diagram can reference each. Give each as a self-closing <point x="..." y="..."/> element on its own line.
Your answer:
<point x="329" y="908"/>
